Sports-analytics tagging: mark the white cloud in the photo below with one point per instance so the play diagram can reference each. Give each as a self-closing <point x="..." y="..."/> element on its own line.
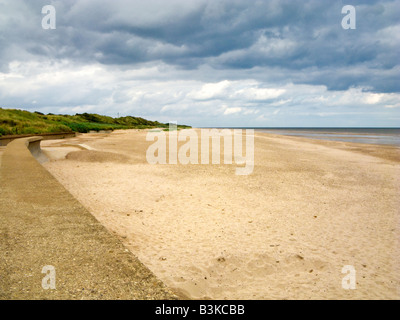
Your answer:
<point x="232" y="110"/>
<point x="259" y="94"/>
<point x="373" y="98"/>
<point x="210" y="91"/>
<point x="159" y="92"/>
<point x="390" y="106"/>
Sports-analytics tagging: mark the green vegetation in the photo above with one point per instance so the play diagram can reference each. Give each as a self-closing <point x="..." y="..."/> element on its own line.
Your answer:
<point x="14" y="121"/>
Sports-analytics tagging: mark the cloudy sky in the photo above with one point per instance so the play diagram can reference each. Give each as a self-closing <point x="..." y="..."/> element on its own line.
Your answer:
<point x="205" y="62"/>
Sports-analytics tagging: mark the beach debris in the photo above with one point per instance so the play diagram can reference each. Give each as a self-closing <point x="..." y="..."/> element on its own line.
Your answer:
<point x="221" y="259"/>
<point x="163" y="258"/>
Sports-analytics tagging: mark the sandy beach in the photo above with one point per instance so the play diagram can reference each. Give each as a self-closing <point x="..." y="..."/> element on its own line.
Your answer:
<point x="284" y="232"/>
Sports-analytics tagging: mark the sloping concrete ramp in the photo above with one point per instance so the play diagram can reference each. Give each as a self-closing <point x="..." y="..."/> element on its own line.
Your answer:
<point x="43" y="226"/>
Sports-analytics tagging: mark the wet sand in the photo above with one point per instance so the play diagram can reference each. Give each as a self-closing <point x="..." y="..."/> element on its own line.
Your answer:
<point x="284" y="232"/>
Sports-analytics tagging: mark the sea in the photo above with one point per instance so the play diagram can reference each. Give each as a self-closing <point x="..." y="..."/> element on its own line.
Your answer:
<point x="385" y="136"/>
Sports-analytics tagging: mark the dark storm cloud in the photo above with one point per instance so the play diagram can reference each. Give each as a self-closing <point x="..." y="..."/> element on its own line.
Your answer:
<point x="293" y="37"/>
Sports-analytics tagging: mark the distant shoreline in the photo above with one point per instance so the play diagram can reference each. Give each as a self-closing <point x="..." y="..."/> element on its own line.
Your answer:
<point x="366" y="135"/>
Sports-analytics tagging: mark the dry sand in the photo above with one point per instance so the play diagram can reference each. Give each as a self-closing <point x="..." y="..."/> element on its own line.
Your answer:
<point x="284" y="232"/>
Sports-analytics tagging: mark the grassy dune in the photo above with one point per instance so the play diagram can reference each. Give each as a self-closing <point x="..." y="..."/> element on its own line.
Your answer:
<point x="14" y="121"/>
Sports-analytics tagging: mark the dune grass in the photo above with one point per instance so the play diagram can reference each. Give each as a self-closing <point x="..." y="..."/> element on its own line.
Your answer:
<point x="14" y="121"/>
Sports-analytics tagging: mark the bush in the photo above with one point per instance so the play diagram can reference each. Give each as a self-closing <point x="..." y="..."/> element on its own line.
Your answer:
<point x="13" y="121"/>
<point x="8" y="122"/>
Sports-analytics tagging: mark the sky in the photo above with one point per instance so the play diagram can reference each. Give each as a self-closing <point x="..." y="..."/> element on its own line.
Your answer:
<point x="223" y="63"/>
